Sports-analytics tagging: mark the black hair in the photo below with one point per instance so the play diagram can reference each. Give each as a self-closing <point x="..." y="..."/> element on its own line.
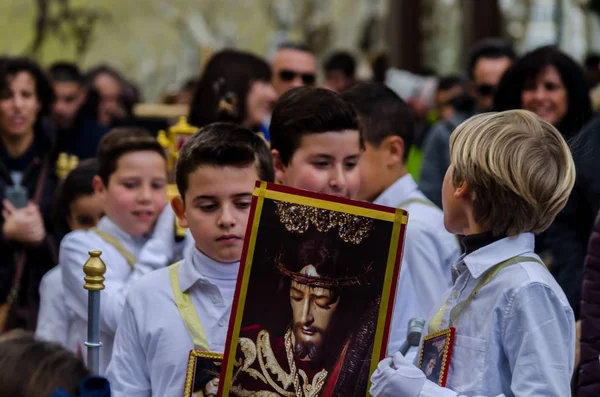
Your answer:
<point x="489" y="48"/>
<point x="223" y="89"/>
<point x="223" y="144"/>
<point x="380" y="65"/>
<point x="91" y="74"/>
<point x="78" y="183"/>
<point x="382" y="113"/>
<point x="592" y="61"/>
<point x="446" y="83"/>
<point x="65" y="72"/>
<point x="525" y="70"/>
<point x="308" y="110"/>
<point x="44" y="91"/>
<point x="342" y="61"/>
<point x="290" y="45"/>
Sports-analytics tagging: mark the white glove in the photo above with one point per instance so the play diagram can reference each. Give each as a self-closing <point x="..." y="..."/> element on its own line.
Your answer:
<point x="158" y="250"/>
<point x="396" y="376"/>
<point x="164" y="230"/>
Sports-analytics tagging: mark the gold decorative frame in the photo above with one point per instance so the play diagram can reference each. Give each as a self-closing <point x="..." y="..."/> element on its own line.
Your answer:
<point x="191" y="367"/>
<point x="448" y="334"/>
<point x="347" y="209"/>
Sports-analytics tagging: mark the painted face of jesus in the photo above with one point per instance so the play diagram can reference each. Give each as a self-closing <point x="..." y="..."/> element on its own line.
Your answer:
<point x="313" y="309"/>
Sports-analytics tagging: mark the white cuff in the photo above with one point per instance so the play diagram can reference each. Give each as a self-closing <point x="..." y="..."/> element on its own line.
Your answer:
<point x="431" y="389"/>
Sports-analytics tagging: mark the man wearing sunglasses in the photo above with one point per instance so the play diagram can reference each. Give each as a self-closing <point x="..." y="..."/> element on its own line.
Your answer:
<point x="294" y="65"/>
<point x="488" y="61"/>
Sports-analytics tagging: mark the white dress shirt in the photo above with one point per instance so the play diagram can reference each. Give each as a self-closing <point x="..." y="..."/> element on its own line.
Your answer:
<point x="150" y="253"/>
<point x="152" y="344"/>
<point x="429" y="252"/>
<point x="516" y="338"/>
<point x="54" y="317"/>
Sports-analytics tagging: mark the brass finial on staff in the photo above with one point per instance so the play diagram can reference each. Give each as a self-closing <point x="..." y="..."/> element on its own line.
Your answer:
<point x="94" y="269"/>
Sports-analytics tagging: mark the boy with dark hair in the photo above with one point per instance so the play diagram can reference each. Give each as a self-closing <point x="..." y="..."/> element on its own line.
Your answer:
<point x="216" y="172"/>
<point x="316" y="143"/>
<point x="136" y="235"/>
<point x="340" y="69"/>
<point x="388" y="129"/>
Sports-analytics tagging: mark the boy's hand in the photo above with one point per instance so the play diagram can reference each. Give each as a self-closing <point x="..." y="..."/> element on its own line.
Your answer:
<point x="24" y="225"/>
<point x="395" y="376"/>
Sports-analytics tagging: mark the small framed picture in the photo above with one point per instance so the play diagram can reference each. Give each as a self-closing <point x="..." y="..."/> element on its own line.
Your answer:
<point x="203" y="373"/>
<point x="434" y="360"/>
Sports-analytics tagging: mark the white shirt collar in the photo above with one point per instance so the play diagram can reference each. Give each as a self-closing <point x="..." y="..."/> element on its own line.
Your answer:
<point x="398" y="192"/>
<point x="481" y="260"/>
<point x="197" y="266"/>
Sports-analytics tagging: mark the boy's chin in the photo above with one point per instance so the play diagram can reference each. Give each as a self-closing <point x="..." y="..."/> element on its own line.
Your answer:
<point x="226" y="256"/>
<point x="142" y="229"/>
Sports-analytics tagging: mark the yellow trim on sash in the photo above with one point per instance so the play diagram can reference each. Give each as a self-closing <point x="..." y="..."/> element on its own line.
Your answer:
<point x="436" y="321"/>
<point x="187" y="310"/>
<point x="417" y="201"/>
<point x="110" y="239"/>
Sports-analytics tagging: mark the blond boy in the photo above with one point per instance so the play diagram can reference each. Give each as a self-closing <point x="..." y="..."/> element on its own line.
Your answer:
<point x="510" y="174"/>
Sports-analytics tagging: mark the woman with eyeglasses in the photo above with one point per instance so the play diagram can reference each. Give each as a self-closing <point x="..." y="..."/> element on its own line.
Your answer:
<point x="549" y="83"/>
<point x="236" y="87"/>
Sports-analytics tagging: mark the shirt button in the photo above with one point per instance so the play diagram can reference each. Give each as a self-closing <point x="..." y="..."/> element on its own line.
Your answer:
<point x="215" y="299"/>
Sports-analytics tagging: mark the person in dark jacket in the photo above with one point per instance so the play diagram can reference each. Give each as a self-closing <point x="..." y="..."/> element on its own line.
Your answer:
<point x="551" y="84"/>
<point x="589" y="369"/>
<point x="27" y="183"/>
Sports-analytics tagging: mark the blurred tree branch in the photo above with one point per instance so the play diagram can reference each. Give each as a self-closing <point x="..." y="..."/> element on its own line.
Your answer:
<point x="67" y="23"/>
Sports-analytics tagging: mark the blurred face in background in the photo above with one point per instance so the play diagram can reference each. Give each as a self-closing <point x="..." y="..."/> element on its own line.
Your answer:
<point x="443" y="99"/>
<point x="70" y="95"/>
<point x="486" y="76"/>
<point x="546" y="96"/>
<point x="259" y="102"/>
<point x="19" y="106"/>
<point x="109" y="90"/>
<point x="293" y="68"/>
<point x="337" y="81"/>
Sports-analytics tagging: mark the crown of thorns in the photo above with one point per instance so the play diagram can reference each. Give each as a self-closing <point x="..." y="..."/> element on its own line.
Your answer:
<point x="323" y="281"/>
<point x="298" y="218"/>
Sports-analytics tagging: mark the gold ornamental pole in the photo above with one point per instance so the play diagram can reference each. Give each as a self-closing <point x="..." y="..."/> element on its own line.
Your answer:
<point x="94" y="270"/>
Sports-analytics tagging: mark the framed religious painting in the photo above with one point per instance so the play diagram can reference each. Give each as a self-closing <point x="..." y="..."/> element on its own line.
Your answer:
<point x="434" y="359"/>
<point x="314" y="297"/>
<point x="203" y="373"/>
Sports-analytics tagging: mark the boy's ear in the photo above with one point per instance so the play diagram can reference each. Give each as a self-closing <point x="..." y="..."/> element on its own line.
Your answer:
<point x="279" y="166"/>
<point x="463" y="191"/>
<point x="98" y="185"/>
<point x="179" y="208"/>
<point x="393" y="147"/>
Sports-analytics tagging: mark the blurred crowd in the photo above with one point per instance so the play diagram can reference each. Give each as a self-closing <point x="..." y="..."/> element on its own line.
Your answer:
<point x="62" y="110"/>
